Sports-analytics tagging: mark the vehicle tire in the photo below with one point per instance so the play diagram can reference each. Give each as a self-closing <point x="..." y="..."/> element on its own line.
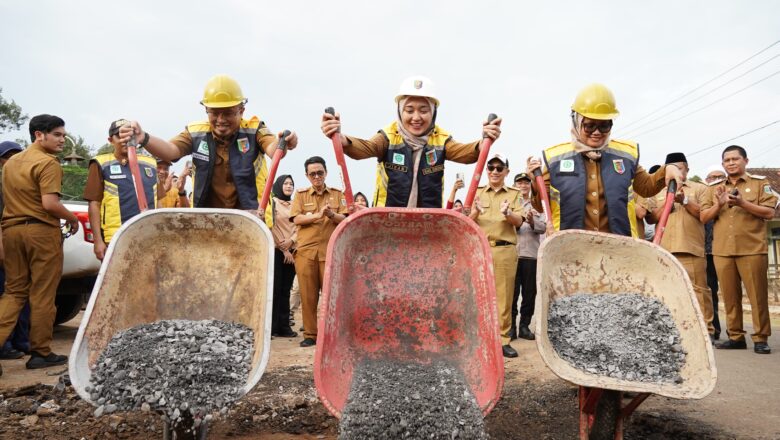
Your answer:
<point x="607" y="413"/>
<point x="68" y="306"/>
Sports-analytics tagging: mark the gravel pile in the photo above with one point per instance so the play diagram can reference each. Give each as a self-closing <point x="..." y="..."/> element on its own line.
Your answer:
<point x="392" y="400"/>
<point x="177" y="367"/>
<point x="625" y="336"/>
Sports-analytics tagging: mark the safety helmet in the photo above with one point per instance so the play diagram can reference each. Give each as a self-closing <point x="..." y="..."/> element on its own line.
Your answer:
<point x="596" y="101"/>
<point x="417" y="86"/>
<point x="222" y="91"/>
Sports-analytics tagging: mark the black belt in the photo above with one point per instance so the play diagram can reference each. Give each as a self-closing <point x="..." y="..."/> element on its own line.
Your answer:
<point x="499" y="243"/>
<point x="29" y="221"/>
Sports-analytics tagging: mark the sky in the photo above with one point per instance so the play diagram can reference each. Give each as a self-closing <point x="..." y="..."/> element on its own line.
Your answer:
<point x="91" y="62"/>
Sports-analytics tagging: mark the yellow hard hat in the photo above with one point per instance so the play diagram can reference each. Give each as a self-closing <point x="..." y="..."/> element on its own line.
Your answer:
<point x="222" y="91"/>
<point x="417" y="86"/>
<point x="596" y="101"/>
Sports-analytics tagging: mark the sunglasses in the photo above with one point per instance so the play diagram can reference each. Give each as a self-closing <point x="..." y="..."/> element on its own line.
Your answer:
<point x="314" y="174"/>
<point x="602" y="127"/>
<point x="499" y="168"/>
<point x="232" y="113"/>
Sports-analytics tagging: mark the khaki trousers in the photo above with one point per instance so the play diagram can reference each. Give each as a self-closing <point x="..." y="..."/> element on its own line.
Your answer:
<point x="750" y="270"/>
<point x="33" y="266"/>
<point x="697" y="272"/>
<point x="310" y="277"/>
<point x="504" y="269"/>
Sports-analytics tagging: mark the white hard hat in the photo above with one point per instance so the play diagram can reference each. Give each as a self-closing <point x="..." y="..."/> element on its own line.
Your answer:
<point x="417" y="86"/>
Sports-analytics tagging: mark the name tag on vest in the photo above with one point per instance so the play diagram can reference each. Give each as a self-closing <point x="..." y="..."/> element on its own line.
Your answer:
<point x="394" y="167"/>
<point x="200" y="156"/>
<point x="432" y="170"/>
<point x="117" y="176"/>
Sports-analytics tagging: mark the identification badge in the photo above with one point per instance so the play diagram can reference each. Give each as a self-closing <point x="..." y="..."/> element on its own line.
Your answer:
<point x="399" y="159"/>
<point x="567" y="165"/>
<point x="617" y="164"/>
<point x="116" y="169"/>
<point x="117" y="176"/>
<point x="430" y="157"/>
<point x="148" y="172"/>
<point x="203" y="147"/>
<point x="243" y="145"/>
<point x="199" y="156"/>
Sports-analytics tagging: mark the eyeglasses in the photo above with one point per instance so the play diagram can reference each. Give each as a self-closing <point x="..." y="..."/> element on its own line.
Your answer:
<point x="314" y="174"/>
<point x="602" y="127"/>
<point x="225" y="113"/>
<point x="499" y="168"/>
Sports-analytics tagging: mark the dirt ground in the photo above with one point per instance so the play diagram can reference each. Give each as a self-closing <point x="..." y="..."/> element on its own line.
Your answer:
<point x="535" y="404"/>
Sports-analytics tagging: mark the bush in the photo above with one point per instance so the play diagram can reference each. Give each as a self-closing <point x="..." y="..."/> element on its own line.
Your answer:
<point x="73" y="181"/>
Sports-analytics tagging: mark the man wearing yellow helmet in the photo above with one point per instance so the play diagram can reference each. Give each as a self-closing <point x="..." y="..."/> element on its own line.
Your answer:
<point x="591" y="177"/>
<point x="412" y="150"/>
<point x="227" y="150"/>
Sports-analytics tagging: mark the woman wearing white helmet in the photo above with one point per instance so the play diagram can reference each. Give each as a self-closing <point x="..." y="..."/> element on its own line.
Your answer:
<point x="412" y="150"/>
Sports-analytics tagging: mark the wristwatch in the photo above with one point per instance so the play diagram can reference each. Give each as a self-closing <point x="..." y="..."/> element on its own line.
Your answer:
<point x="182" y="193"/>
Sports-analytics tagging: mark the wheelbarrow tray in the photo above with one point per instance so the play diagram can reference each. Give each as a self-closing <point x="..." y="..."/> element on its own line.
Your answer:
<point x="411" y="285"/>
<point x="576" y="261"/>
<point x="191" y="264"/>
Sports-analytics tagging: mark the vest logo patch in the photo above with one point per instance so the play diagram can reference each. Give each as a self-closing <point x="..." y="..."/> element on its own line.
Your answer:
<point x="148" y="172"/>
<point x="200" y="157"/>
<point x="399" y="159"/>
<point x="430" y="157"/>
<point x="620" y="168"/>
<point x="116" y="169"/>
<point x="767" y="189"/>
<point x="567" y="165"/>
<point x="418" y="84"/>
<point x="203" y="147"/>
<point x="431" y="170"/>
<point x="394" y="167"/>
<point x="243" y="145"/>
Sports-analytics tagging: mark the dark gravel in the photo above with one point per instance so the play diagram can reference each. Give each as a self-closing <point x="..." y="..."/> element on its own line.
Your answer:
<point x="179" y="368"/>
<point x="625" y="336"/>
<point x="392" y="400"/>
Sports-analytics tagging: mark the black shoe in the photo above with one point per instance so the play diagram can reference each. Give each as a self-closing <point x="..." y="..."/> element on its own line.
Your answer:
<point x="11" y="354"/>
<point x="509" y="352"/>
<point x="716" y="336"/>
<point x="733" y="345"/>
<point x="37" y="361"/>
<point x="512" y="334"/>
<point x="761" y="348"/>
<point x="525" y="333"/>
<point x="308" y="342"/>
<point x="286" y="333"/>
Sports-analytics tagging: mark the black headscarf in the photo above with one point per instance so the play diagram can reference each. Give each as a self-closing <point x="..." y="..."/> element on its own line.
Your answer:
<point x="277" y="189"/>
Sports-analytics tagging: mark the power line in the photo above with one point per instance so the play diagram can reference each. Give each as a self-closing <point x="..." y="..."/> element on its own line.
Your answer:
<point x="735" y="137"/>
<point x="707" y="106"/>
<point x="765" y="151"/>
<point x="704" y="84"/>
<point x="628" y="134"/>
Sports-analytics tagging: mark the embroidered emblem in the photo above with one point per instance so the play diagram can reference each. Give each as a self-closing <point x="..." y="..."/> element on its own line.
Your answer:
<point x="767" y="189"/>
<point x="430" y="157"/>
<point x="203" y="147"/>
<point x="148" y="172"/>
<point x="243" y="145"/>
<point x="116" y="169"/>
<point x="567" y="165"/>
<point x="618" y="165"/>
<point x="399" y="159"/>
<point x="418" y="84"/>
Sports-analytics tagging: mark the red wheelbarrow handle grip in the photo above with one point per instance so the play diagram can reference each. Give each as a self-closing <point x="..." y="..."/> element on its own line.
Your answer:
<point x="668" y="204"/>
<point x="338" y="150"/>
<point x="484" y="150"/>
<point x="281" y="148"/>
<point x="542" y="188"/>
<point x="132" y="161"/>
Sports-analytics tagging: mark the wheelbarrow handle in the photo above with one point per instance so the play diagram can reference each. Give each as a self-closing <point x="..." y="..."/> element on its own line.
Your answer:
<point x="338" y="150"/>
<point x="660" y="228"/>
<point x="132" y="161"/>
<point x="484" y="150"/>
<point x="281" y="148"/>
<point x="542" y="188"/>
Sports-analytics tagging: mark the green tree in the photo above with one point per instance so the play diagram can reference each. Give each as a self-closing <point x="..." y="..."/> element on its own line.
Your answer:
<point x="696" y="179"/>
<point x="11" y="116"/>
<point x="105" y="149"/>
<point x="82" y="149"/>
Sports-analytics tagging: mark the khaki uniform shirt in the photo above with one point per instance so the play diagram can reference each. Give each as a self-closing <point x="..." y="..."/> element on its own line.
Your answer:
<point x="223" y="193"/>
<point x="377" y="146"/>
<point x="283" y="228"/>
<point x="684" y="232"/>
<point x="171" y="199"/>
<point x="736" y="231"/>
<point x="27" y="176"/>
<point x="491" y="220"/>
<point x="313" y="238"/>
<point x="596" y="219"/>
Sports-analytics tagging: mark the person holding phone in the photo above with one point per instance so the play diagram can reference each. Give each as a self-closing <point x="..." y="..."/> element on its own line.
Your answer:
<point x="459" y="184"/>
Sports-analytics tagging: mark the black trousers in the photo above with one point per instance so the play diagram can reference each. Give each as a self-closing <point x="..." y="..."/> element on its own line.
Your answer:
<point x="284" y="274"/>
<point x="712" y="282"/>
<point x="525" y="280"/>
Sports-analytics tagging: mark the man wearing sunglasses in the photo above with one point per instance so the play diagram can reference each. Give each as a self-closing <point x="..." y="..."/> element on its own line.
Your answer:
<point x="316" y="210"/>
<point x="227" y="150"/>
<point x="590" y="178"/>
<point x="498" y="213"/>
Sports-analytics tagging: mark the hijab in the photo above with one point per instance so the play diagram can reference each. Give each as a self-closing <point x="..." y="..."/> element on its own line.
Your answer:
<point x="593" y="153"/>
<point x="278" y="189"/>
<point x="416" y="143"/>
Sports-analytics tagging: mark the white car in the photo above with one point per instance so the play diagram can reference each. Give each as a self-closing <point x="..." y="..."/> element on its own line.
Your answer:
<point x="79" y="266"/>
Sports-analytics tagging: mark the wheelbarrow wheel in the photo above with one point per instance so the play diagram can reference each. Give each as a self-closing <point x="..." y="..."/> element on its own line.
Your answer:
<point x="606" y="417"/>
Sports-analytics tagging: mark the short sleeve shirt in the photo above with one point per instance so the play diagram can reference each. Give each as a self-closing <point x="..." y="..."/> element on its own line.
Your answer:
<point x="492" y="221"/>
<point x="27" y="176"/>
<point x="313" y="238"/>
<point x="684" y="232"/>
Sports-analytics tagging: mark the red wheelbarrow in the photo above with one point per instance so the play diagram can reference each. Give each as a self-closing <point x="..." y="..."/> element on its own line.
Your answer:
<point x="414" y="285"/>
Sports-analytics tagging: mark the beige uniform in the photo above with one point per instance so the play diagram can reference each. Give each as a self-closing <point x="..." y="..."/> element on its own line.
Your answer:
<point x="311" y="247"/>
<point x="502" y="236"/>
<point x="739" y="249"/>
